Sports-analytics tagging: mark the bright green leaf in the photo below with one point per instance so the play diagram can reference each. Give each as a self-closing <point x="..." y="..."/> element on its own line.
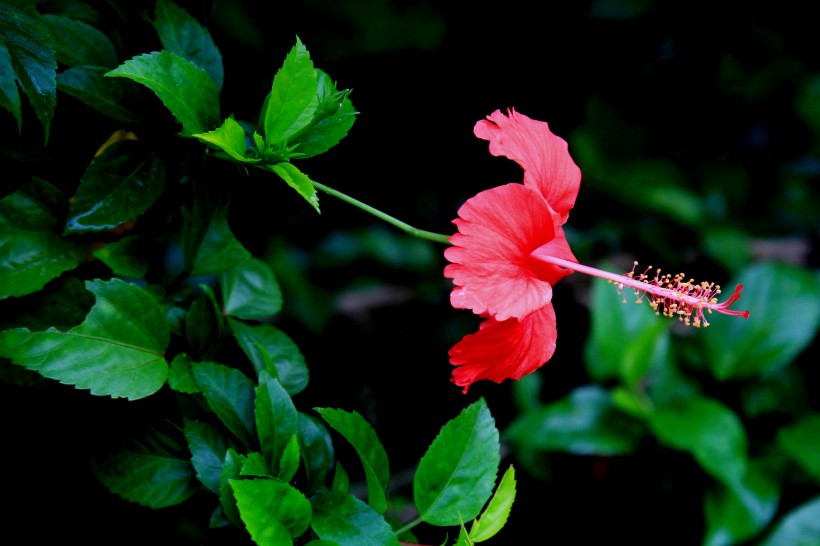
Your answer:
<point x="27" y="57"/>
<point x="185" y="89"/>
<point x="495" y="516"/>
<point x="119" y="185"/>
<point x="255" y="465"/>
<point x="329" y="129"/>
<point x="208" y="448"/>
<point x="250" y="290"/>
<point x="259" y="341"/>
<point x="32" y="251"/>
<point x="293" y="98"/>
<point x="289" y="463"/>
<point x="265" y="502"/>
<point x="784" y="305"/>
<point x="230" y="394"/>
<point x="117" y="351"/>
<point x="230" y="138"/>
<point x="152" y="472"/>
<point x="707" y="429"/>
<point x="114" y="97"/>
<point x="78" y="43"/>
<point x="277" y="419"/>
<point x="456" y="475"/>
<point x="341" y="480"/>
<point x="800" y="527"/>
<point x="346" y="520"/>
<point x="298" y="181"/>
<point x="364" y="440"/>
<point x="180" y="33"/>
<point x="317" y="450"/>
<point x="584" y="423"/>
<point x="801" y="441"/>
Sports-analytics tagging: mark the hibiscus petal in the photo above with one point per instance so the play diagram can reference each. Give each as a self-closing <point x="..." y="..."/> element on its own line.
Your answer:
<point x="544" y="156"/>
<point x="497" y="231"/>
<point x="507" y="349"/>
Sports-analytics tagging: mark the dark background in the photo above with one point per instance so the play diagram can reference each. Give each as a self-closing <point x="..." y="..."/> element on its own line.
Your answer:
<point x="700" y="84"/>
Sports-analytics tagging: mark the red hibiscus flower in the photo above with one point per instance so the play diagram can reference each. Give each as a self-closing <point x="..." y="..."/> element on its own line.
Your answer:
<point x="510" y="249"/>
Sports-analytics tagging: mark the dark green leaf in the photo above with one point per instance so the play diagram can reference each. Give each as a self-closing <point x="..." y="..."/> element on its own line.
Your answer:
<point x="341" y="480"/>
<point x="151" y="472"/>
<point x="801" y="441"/>
<point x="250" y="290"/>
<point x="800" y="527"/>
<point x="113" y="97"/>
<point x="180" y="377"/>
<point x="78" y="43"/>
<point x="123" y="257"/>
<point x="27" y="57"/>
<point x="346" y="520"/>
<point x="495" y="516"/>
<point x="119" y="185"/>
<point x="209" y="245"/>
<point x="185" y="89"/>
<point x="269" y="503"/>
<point x="298" y="181"/>
<point x="259" y="340"/>
<point x="780" y="390"/>
<point x="584" y="423"/>
<point x="63" y="304"/>
<point x="277" y="420"/>
<point x="182" y="34"/>
<point x="230" y="138"/>
<point x="32" y="252"/>
<point x="784" y="305"/>
<point x="117" y="351"/>
<point x="740" y="511"/>
<point x="289" y="463"/>
<point x="317" y="450"/>
<point x="331" y="128"/>
<point x="230" y="394"/>
<point x="208" y="449"/>
<point x="204" y="326"/>
<point x="255" y="465"/>
<point x="364" y="440"/>
<point x="293" y="98"/>
<point x="457" y="474"/>
<point x="230" y="470"/>
<point x="707" y="429"/>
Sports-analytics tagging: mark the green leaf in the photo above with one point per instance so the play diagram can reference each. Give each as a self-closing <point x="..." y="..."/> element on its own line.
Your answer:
<point x="626" y="341"/>
<point x="495" y="516"/>
<point x="456" y="475"/>
<point x="364" y="440"/>
<point x="341" y="480"/>
<point x="117" y="351"/>
<point x="119" y="185"/>
<point x="800" y="527"/>
<point x="317" y="450"/>
<point x="784" y="305"/>
<point x="204" y="326"/>
<point x="740" y="511"/>
<point x="261" y="340"/>
<point x="346" y="520"/>
<point x="708" y="430"/>
<point x="78" y="43"/>
<point x="250" y="290"/>
<point x="293" y="98"/>
<point x="289" y="463"/>
<point x="182" y="34"/>
<point x="63" y="304"/>
<point x="330" y="128"/>
<point x="254" y="465"/>
<point x="151" y="472"/>
<point x="584" y="423"/>
<point x="297" y="180"/>
<point x="208" y="449"/>
<point x="230" y="394"/>
<point x="230" y="470"/>
<point x="123" y="257"/>
<point x="800" y="441"/>
<point x="27" y="57"/>
<point x="230" y="138"/>
<point x="180" y="377"/>
<point x="112" y="97"/>
<point x="183" y="87"/>
<point x="32" y="252"/>
<point x="266" y="504"/>
<point x="209" y="246"/>
<point x="277" y="419"/>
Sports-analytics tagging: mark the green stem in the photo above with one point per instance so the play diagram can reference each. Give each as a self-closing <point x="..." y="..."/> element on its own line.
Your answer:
<point x="408" y="526"/>
<point x="429" y="235"/>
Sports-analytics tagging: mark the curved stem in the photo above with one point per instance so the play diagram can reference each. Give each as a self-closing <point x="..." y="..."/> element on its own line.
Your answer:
<point x="408" y="526"/>
<point x="421" y="234"/>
